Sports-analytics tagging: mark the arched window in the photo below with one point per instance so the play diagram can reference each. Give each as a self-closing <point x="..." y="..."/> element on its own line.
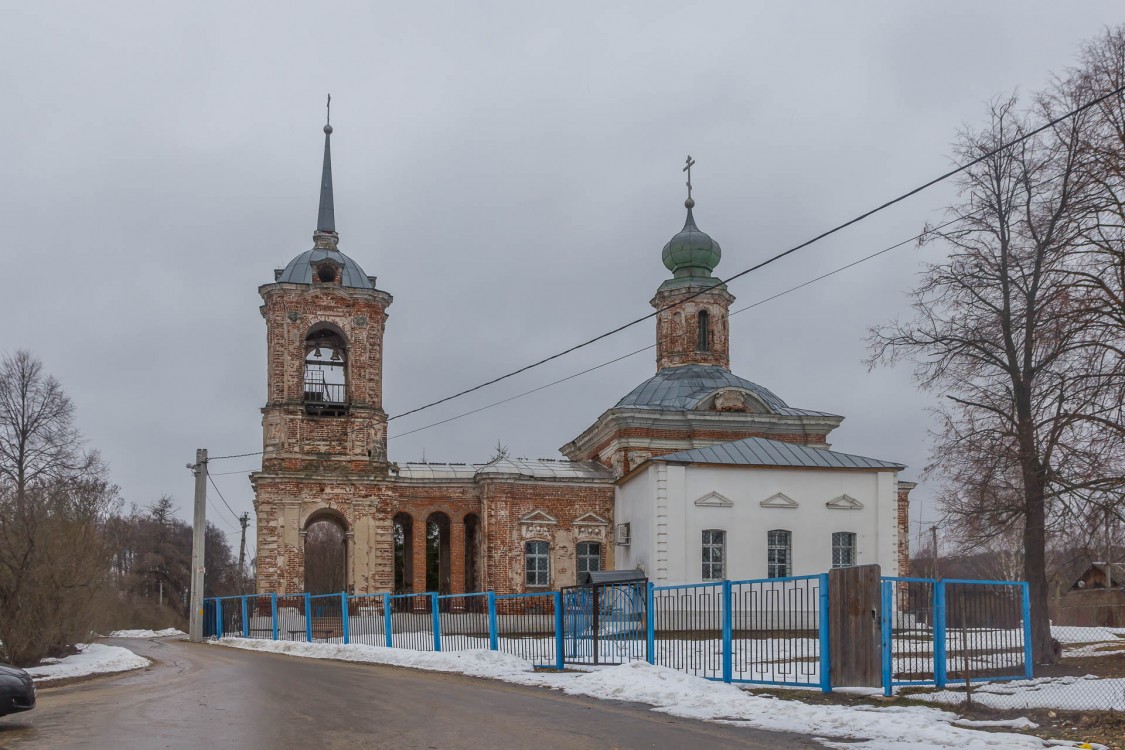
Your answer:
<point x="403" y="532"/>
<point x="537" y="564"/>
<point x="437" y="553"/>
<point x="714" y="554"/>
<point x="326" y="372"/>
<point x="779" y="553"/>
<point x="704" y="331"/>
<point x="843" y="549"/>
<point x="589" y="557"/>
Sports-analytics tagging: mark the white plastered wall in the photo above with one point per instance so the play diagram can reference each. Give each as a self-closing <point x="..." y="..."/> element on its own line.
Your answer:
<point x="659" y="503"/>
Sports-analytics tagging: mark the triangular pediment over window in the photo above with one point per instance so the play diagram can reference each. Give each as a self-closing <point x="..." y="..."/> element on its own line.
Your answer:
<point x="714" y="500"/>
<point x="590" y="519"/>
<point x="844" y="502"/>
<point x="538" y="517"/>
<point x="780" y="500"/>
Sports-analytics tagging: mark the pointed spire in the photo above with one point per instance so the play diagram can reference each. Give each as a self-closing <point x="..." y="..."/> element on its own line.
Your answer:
<point x="326" y="219"/>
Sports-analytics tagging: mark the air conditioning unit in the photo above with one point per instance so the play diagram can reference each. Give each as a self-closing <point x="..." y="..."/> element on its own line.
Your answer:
<point x="623" y="534"/>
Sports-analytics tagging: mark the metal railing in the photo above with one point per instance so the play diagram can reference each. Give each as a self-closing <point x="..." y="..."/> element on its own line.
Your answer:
<point x="763" y="631"/>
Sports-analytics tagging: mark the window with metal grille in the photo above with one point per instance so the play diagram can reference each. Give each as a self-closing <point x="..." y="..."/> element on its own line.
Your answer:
<point x="843" y="549"/>
<point x="589" y="557"/>
<point x="537" y="563"/>
<point x="779" y="555"/>
<point x="714" y="554"/>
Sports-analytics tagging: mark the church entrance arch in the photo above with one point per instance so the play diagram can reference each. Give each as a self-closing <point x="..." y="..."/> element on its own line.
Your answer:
<point x="326" y="556"/>
<point x="437" y="553"/>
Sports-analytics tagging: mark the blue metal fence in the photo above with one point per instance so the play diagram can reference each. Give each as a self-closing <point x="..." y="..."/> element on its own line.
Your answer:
<point x="764" y="631"/>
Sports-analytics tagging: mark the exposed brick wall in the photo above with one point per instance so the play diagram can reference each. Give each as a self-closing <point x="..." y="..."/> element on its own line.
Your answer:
<point x="903" y="527"/>
<point x="677" y="328"/>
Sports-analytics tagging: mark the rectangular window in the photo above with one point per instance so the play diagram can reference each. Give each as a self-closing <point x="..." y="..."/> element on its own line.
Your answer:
<point x="537" y="564"/>
<point x="714" y="554"/>
<point x="843" y="549"/>
<point x="779" y="556"/>
<point x="589" y="557"/>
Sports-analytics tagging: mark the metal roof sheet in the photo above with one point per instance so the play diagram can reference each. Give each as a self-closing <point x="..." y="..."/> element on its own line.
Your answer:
<point x="685" y="387"/>
<point x="539" y="468"/>
<point x="763" y="452"/>
<point x="300" y="269"/>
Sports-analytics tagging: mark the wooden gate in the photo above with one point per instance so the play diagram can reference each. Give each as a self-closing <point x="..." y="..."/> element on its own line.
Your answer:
<point x="854" y="626"/>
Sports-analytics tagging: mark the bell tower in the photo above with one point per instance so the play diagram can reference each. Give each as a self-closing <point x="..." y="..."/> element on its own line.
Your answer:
<point x="324" y="429"/>
<point x="692" y="306"/>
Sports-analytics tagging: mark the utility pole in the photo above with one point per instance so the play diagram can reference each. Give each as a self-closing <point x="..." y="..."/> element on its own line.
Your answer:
<point x="198" y="534"/>
<point x="243" y="520"/>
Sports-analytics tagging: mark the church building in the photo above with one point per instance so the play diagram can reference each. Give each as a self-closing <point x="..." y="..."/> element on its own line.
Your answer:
<point x="696" y="474"/>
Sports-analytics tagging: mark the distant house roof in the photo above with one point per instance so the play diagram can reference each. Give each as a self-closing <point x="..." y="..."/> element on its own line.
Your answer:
<point x="756" y="451"/>
<point x="1094" y="577"/>
<point x="537" y="468"/>
<point x="686" y="386"/>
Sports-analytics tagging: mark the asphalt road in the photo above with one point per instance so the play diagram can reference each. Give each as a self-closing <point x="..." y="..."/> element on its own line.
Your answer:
<point x="198" y="696"/>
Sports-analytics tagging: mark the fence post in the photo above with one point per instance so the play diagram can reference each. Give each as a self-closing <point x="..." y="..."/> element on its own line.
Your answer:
<point x="558" y="631"/>
<point x="435" y="614"/>
<point x="493" y="630"/>
<point x="218" y="617"/>
<point x="941" y="658"/>
<point x="887" y="605"/>
<point x="245" y="620"/>
<point x="344" y="614"/>
<point x="308" y="617"/>
<point x="650" y="622"/>
<point x="1027" y="658"/>
<point x="822" y="627"/>
<point x="728" y="633"/>
<point x="273" y="614"/>
<point x="388" y="621"/>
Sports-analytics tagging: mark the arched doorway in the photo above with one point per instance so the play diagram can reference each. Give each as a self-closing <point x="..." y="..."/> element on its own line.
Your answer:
<point x="403" y="533"/>
<point x="437" y="553"/>
<point x="472" y="552"/>
<point x="326" y="556"/>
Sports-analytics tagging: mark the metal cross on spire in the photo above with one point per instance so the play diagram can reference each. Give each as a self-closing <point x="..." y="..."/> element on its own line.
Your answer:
<point x="328" y="118"/>
<point x="690" y="163"/>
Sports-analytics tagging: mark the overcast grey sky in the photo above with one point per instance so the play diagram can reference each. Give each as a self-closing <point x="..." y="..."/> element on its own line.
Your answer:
<point x="510" y="172"/>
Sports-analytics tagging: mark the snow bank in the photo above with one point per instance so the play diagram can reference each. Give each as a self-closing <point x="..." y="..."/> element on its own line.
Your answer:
<point x="680" y="694"/>
<point x="145" y="633"/>
<point x="92" y="658"/>
<point x="1087" y="693"/>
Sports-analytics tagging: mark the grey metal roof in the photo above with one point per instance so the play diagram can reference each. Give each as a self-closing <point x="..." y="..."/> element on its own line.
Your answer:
<point x="300" y="270"/>
<point x="685" y="387"/>
<point x="539" y="468"/>
<point x="762" y="452"/>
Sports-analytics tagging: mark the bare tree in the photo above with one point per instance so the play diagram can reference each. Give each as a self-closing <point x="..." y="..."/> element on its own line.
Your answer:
<point x="54" y="498"/>
<point x="1003" y="331"/>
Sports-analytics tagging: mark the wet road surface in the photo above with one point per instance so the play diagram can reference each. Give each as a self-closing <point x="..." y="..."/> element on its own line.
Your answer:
<point x="199" y="696"/>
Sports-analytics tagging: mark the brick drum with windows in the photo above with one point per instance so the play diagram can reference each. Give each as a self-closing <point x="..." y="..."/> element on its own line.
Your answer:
<point x="696" y="474"/>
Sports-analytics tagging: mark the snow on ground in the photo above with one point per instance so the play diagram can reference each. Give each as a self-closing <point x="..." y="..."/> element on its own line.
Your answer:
<point x="92" y="658"/>
<point x="679" y="694"/>
<point x="1073" y="634"/>
<point x="145" y="633"/>
<point x="1087" y="693"/>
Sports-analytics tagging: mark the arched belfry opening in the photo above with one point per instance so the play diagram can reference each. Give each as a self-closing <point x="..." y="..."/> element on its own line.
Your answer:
<point x="326" y="554"/>
<point x="437" y="553"/>
<point x="326" y="372"/>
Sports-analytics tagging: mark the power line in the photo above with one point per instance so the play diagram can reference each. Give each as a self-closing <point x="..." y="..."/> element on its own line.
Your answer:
<point x="779" y="256"/>
<point x="220" y="493"/>
<point x="236" y="455"/>
<point x="802" y="285"/>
